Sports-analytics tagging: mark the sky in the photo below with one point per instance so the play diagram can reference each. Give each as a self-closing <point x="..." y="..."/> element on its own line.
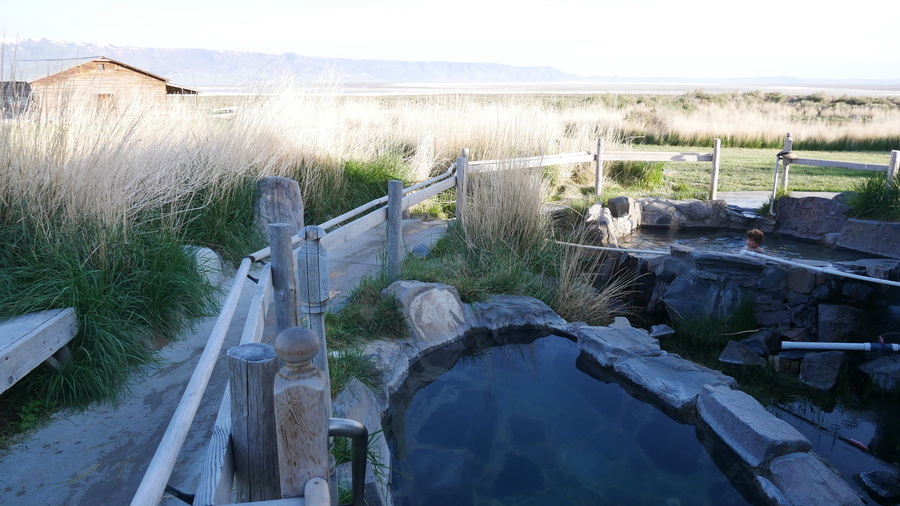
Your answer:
<point x="626" y="38"/>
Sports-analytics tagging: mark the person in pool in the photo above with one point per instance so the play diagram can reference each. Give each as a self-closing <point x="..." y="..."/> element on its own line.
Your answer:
<point x="755" y="239"/>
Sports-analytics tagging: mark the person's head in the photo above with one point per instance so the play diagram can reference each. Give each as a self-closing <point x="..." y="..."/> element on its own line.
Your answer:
<point x="755" y="238"/>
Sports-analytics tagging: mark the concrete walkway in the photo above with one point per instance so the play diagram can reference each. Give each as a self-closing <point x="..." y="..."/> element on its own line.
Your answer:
<point x="99" y="456"/>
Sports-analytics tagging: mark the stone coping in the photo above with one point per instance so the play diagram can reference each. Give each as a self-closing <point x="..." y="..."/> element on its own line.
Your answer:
<point x="777" y="456"/>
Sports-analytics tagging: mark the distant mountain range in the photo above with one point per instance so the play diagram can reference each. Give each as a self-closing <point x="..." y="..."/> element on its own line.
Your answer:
<point x="205" y="68"/>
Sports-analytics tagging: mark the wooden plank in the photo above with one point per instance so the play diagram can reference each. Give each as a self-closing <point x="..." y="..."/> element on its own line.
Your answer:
<point x="217" y="476"/>
<point x="28" y="340"/>
<point x="157" y="475"/>
<point x="659" y="156"/>
<point x="293" y="501"/>
<point x="284" y="275"/>
<point x="360" y="225"/>
<point x="394" y="247"/>
<point x="423" y="195"/>
<point x="812" y="162"/>
<point x="255" y="324"/>
<point x="530" y="162"/>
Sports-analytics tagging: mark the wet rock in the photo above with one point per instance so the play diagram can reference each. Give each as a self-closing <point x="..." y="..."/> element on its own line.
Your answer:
<point x="608" y="345"/>
<point x="838" y="322"/>
<point x="882" y="485"/>
<point x="884" y="372"/>
<point x="743" y="424"/>
<point x="804" y="478"/>
<point x="877" y="237"/>
<point x="738" y="353"/>
<point x="821" y="370"/>
<point x="810" y="217"/>
<point x="671" y="380"/>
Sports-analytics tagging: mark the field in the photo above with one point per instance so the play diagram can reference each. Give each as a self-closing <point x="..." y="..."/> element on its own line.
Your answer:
<point x="97" y="203"/>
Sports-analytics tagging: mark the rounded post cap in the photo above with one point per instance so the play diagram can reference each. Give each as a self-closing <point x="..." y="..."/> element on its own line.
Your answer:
<point x="297" y="346"/>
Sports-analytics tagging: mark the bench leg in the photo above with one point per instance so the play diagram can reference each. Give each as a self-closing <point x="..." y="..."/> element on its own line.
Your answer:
<point x="60" y="359"/>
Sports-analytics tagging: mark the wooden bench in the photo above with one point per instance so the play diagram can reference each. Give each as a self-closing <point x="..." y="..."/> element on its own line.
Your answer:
<point x="28" y="340"/>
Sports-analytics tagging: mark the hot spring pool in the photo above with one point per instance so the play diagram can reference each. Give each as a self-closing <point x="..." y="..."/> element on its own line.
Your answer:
<point x="520" y="424"/>
<point x="729" y="241"/>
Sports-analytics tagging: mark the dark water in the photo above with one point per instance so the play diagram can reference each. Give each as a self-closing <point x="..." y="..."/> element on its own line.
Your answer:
<point x="727" y="241"/>
<point x="521" y="425"/>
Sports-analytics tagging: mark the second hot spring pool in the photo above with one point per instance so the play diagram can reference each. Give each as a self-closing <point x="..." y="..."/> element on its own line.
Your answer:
<point x="520" y="424"/>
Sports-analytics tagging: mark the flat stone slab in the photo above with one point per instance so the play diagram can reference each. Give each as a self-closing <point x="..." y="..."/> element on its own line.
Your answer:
<point x="804" y="479"/>
<point x="502" y="311"/>
<point x="672" y="380"/>
<point x="746" y="427"/>
<point x="608" y="345"/>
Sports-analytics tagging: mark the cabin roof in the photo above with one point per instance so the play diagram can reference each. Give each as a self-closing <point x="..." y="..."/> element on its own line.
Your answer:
<point x="30" y="71"/>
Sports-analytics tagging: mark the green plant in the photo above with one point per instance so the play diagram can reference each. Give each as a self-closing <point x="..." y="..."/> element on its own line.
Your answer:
<point x="347" y="364"/>
<point x="365" y="316"/>
<point x="873" y="198"/>
<point x="766" y="208"/>
<point x="645" y="175"/>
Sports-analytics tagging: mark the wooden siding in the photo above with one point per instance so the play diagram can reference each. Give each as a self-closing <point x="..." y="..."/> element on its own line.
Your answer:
<point x="107" y="80"/>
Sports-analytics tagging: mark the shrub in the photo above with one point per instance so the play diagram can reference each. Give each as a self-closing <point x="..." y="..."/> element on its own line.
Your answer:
<point x="641" y="175"/>
<point x="874" y="199"/>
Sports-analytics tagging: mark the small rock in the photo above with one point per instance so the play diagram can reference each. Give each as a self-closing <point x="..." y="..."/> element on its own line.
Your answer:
<point x="661" y="331"/>
<point x="739" y="353"/>
<point x="884" y="372"/>
<point x="421" y="250"/>
<point x="821" y="370"/>
<point x="882" y="485"/>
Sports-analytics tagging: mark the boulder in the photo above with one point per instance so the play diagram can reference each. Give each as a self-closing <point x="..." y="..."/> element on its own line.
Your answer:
<point x="209" y="264"/>
<point x="661" y="331"/>
<point x="599" y="224"/>
<point x="673" y="381"/>
<point x="877" y="237"/>
<point x="743" y="424"/>
<point x="838" y="322"/>
<point x="810" y="217"/>
<point x="740" y="354"/>
<point x="763" y="342"/>
<point x="800" y="280"/>
<point x="884" y="486"/>
<point x="884" y="372"/>
<point x="433" y="312"/>
<point x="675" y="214"/>
<point x="502" y="311"/>
<point x="691" y="297"/>
<point x="821" y="370"/>
<point x="804" y="478"/>
<point x="608" y="345"/>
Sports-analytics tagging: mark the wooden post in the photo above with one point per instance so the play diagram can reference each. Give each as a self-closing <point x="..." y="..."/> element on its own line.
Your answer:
<point x="893" y="168"/>
<point x="394" y="230"/>
<point x="462" y="167"/>
<point x="786" y="161"/>
<point x="283" y="275"/>
<point x="301" y="419"/>
<point x="714" y="177"/>
<point x="251" y="372"/>
<point x="598" y="167"/>
<point x="279" y="201"/>
<point x="314" y="287"/>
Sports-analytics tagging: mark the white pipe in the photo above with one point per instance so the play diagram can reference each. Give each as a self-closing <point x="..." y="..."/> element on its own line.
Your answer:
<point x="823" y="270"/>
<point x="607" y="248"/>
<point x="791" y="345"/>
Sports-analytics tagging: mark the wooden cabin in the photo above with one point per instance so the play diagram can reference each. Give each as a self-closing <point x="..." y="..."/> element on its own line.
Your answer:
<point x="101" y="79"/>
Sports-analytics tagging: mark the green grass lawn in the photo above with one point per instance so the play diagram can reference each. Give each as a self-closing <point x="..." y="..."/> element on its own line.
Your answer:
<point x="746" y="169"/>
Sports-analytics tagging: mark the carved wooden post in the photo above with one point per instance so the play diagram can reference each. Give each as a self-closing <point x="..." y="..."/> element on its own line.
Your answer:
<point x="598" y="167"/>
<point x="313" y="286"/>
<point x="252" y="369"/>
<point x="279" y="201"/>
<point x="462" y="167"/>
<point x="301" y="419"/>
<point x="284" y="281"/>
<point x="714" y="177"/>
<point x="394" y="230"/>
<point x="893" y="168"/>
<point x="786" y="161"/>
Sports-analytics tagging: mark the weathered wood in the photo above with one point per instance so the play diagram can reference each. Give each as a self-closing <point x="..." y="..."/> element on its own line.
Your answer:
<point x="316" y="492"/>
<point x="598" y="166"/>
<point x="423" y="195"/>
<point x="157" y="475"/>
<point x="28" y="340"/>
<point x="714" y="175"/>
<point x="394" y="244"/>
<point x="655" y="156"/>
<point x="278" y="201"/>
<point x="300" y="414"/>
<point x="292" y="501"/>
<point x="786" y="161"/>
<point x="251" y="377"/>
<point x="462" y="164"/>
<point x="893" y="168"/>
<point x="217" y="476"/>
<point x="314" y="288"/>
<point x="283" y="275"/>
<point x="813" y="162"/>
<point x="255" y="324"/>
<point x="529" y="162"/>
<point x="361" y="225"/>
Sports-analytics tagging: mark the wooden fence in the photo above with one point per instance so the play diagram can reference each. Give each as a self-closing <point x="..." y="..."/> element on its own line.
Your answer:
<point x="275" y="286"/>
<point x="787" y="158"/>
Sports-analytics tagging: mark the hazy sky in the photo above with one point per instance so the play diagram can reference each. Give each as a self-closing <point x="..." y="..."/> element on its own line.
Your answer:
<point x="634" y="38"/>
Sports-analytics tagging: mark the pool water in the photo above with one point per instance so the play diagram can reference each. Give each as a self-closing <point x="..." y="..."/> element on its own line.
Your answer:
<point x="728" y="241"/>
<point x="519" y="424"/>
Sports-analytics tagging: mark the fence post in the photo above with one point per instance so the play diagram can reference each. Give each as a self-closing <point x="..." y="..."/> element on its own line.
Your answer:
<point x="394" y="230"/>
<point x="598" y="167"/>
<point x="314" y="286"/>
<point x="714" y="177"/>
<point x="893" y="168"/>
<point x="301" y="417"/>
<point x="462" y="167"/>
<point x="251" y="372"/>
<point x="283" y="275"/>
<point x="278" y="201"/>
<point x="786" y="160"/>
